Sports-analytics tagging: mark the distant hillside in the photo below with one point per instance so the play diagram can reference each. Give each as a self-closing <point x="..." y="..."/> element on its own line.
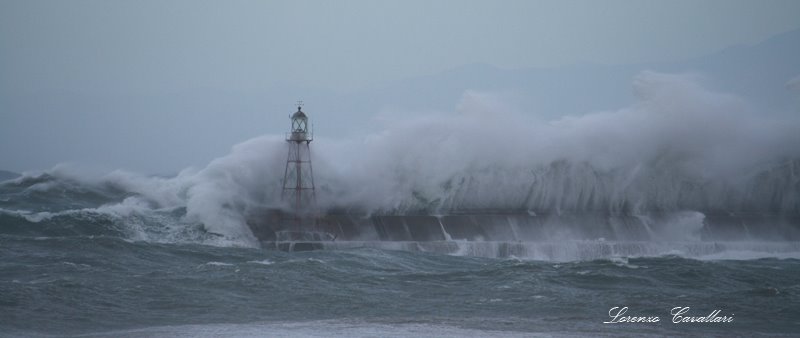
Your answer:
<point x="766" y="75"/>
<point x="7" y="175"/>
<point x="760" y="73"/>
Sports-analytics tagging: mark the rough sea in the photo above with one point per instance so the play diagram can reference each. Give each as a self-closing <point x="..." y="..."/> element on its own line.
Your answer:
<point x="682" y="207"/>
<point x="72" y="264"/>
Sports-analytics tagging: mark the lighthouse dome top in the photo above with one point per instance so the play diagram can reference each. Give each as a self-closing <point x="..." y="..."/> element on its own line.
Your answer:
<point x="299" y="114"/>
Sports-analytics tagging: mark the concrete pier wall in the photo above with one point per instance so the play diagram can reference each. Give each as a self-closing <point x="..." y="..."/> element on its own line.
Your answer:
<point x="512" y="227"/>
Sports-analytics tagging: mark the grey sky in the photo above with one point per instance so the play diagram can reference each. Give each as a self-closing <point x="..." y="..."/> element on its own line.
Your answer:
<point x="148" y="45"/>
<point x="107" y="53"/>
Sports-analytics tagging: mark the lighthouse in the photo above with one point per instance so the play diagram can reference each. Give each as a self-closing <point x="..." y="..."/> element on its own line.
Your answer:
<point x="296" y="225"/>
<point x="298" y="178"/>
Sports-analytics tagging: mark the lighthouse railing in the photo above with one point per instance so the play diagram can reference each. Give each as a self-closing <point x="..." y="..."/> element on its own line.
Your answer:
<point x="299" y="136"/>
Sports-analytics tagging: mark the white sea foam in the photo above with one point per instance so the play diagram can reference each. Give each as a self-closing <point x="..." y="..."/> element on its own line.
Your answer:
<point x="741" y="255"/>
<point x="326" y="328"/>
<point x="218" y="264"/>
<point x="263" y="262"/>
<point x="617" y="252"/>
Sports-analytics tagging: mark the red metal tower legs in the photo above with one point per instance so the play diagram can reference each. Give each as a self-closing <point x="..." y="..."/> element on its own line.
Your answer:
<point x="298" y="180"/>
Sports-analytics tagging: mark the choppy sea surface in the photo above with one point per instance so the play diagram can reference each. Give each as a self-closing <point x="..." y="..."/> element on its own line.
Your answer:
<point x="110" y="286"/>
<point x="125" y="255"/>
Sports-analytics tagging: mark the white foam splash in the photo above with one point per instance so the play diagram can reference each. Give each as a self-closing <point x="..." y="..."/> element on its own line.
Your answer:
<point x="263" y="262"/>
<point x="617" y="252"/>
<point x="681" y="146"/>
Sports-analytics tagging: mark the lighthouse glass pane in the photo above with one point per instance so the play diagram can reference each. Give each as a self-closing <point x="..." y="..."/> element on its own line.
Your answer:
<point x="299" y="125"/>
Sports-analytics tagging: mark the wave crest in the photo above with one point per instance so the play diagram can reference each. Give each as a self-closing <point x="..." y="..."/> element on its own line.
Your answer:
<point x="680" y="147"/>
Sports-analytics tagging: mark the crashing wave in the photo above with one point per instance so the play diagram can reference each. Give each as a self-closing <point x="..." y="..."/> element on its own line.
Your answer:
<point x="680" y="148"/>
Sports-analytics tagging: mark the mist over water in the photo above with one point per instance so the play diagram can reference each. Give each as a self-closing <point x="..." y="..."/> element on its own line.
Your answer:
<point x="681" y="147"/>
<point x="484" y="221"/>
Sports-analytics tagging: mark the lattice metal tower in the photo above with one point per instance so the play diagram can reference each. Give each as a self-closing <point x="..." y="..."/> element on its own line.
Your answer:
<point x="298" y="178"/>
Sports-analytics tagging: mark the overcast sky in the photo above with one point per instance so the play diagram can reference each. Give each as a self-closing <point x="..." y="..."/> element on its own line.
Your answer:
<point x="346" y="44"/>
<point x="107" y="49"/>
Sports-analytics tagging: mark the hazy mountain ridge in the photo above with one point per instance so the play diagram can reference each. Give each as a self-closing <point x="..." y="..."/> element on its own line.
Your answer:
<point x="8" y="175"/>
<point x="759" y="73"/>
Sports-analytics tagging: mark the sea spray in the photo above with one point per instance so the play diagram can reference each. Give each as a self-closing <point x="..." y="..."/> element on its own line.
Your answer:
<point x="680" y="148"/>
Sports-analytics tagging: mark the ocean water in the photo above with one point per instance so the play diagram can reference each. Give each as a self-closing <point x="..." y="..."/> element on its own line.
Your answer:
<point x="688" y="198"/>
<point x="75" y="261"/>
<point x="109" y="286"/>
